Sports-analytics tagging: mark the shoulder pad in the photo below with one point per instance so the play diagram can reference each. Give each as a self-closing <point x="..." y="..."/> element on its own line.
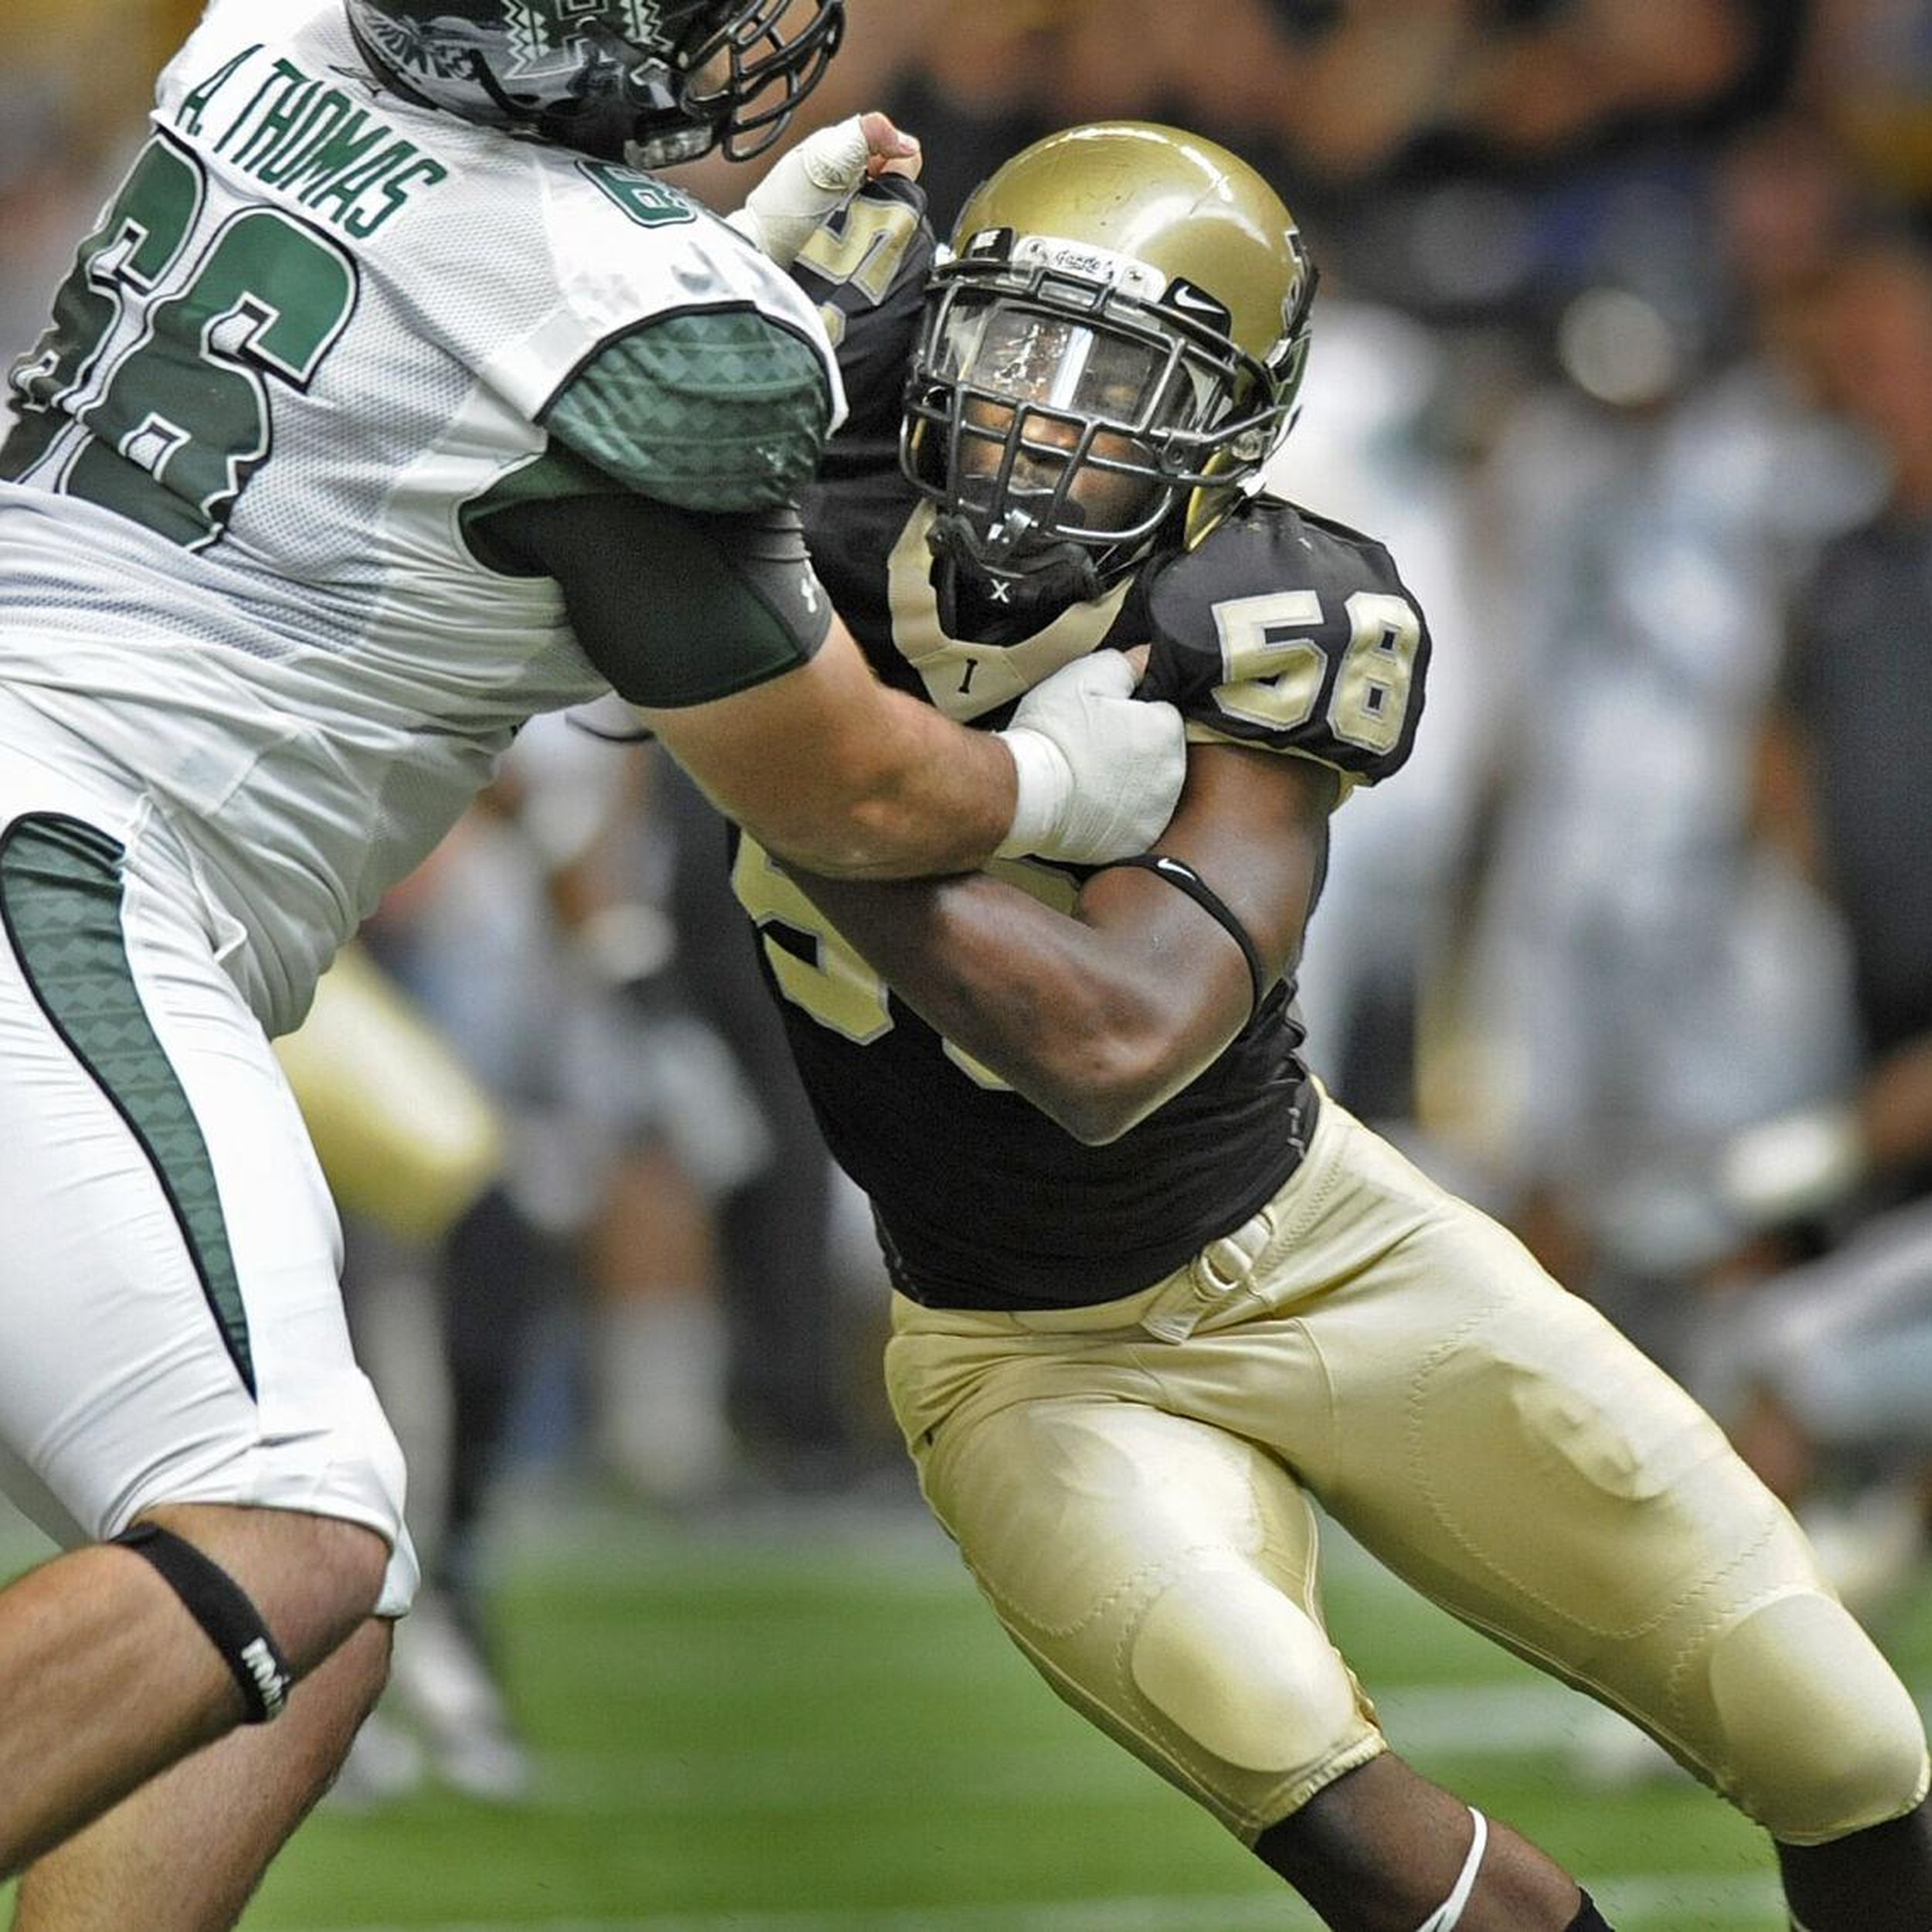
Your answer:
<point x="722" y="409"/>
<point x="1284" y="631"/>
<point x="624" y="253"/>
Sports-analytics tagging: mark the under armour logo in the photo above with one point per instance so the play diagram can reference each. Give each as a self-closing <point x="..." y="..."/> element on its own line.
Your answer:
<point x="1003" y="591"/>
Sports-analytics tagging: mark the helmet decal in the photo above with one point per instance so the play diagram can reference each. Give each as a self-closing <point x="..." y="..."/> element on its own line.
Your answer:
<point x="412" y="50"/>
<point x="1141" y="279"/>
<point x="646" y="82"/>
<point x="539" y="34"/>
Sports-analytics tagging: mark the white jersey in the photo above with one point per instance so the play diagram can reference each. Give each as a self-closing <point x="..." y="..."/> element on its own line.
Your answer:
<point x="233" y="564"/>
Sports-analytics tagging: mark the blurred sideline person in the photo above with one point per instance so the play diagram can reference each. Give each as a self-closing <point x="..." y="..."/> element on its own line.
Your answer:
<point x="1645" y="980"/>
<point x="1374" y="974"/>
<point x="657" y="1215"/>
<point x="1831" y="1360"/>
<point x="1155" y="1291"/>
<point x="302" y="515"/>
<point x="523" y="940"/>
<point x="781" y="1281"/>
<point x="414" y="1149"/>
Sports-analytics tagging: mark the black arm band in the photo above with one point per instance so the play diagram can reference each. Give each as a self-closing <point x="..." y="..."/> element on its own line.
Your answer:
<point x="226" y="1613"/>
<point x="1182" y="876"/>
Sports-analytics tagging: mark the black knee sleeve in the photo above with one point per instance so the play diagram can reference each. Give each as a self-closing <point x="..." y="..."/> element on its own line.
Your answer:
<point x="223" y="1609"/>
<point x="1588" y="1919"/>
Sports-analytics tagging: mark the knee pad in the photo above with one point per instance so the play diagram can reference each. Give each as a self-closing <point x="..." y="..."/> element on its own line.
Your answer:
<point x="1244" y="1672"/>
<point x="1821" y="1738"/>
<point x="226" y="1613"/>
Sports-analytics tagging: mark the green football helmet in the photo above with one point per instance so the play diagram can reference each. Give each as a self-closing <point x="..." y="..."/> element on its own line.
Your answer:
<point x="1121" y="326"/>
<point x="646" y="82"/>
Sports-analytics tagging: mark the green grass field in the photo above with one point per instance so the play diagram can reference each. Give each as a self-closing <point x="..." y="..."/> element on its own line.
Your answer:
<point x="814" y="1727"/>
<point x="817" y="1728"/>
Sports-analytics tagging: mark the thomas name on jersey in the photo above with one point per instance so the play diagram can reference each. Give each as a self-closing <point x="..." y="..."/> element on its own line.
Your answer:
<point x="308" y="139"/>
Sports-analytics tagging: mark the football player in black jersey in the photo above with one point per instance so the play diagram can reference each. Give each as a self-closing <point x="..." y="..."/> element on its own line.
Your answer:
<point x="1155" y="1292"/>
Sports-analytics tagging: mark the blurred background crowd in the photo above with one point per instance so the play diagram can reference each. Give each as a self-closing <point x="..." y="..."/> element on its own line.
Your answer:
<point x="1624" y="347"/>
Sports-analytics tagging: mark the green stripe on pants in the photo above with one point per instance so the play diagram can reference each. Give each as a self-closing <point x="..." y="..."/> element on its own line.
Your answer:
<point x="60" y="897"/>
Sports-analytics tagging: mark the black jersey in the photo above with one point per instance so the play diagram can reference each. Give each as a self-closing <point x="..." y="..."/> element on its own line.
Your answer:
<point x="1280" y="630"/>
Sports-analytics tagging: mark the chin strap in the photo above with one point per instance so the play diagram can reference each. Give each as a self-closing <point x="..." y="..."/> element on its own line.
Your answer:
<point x="1055" y="578"/>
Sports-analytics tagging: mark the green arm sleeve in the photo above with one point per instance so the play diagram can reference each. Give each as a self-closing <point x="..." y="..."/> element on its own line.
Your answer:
<point x="708" y="408"/>
<point x="673" y="609"/>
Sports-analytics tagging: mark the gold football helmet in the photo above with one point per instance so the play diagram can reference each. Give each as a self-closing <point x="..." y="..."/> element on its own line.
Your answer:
<point x="1123" y="321"/>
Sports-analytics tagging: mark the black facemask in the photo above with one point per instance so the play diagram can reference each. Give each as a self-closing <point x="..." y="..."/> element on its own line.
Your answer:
<point x="979" y="603"/>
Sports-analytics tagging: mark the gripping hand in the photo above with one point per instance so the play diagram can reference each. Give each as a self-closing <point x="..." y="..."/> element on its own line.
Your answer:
<point x="1099" y="769"/>
<point x="781" y="214"/>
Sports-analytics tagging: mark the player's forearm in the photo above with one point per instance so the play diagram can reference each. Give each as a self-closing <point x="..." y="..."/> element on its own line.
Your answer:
<point x="1086" y="772"/>
<point x="1072" y="1020"/>
<point x="1099" y="1014"/>
<point x="932" y="798"/>
<point x="833" y="771"/>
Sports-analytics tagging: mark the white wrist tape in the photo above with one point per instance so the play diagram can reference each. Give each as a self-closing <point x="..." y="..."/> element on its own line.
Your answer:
<point x="1045" y="788"/>
<point x="781" y="214"/>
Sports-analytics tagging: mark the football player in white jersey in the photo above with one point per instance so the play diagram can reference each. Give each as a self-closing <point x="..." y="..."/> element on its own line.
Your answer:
<point x="392" y="400"/>
<point x="1155" y="1291"/>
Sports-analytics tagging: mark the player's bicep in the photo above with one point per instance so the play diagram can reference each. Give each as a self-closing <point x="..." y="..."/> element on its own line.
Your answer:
<point x="1253" y="826"/>
<point x="1100" y="1017"/>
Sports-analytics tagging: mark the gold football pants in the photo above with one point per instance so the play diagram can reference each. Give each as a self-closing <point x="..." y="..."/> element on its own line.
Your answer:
<point x="1129" y="1485"/>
